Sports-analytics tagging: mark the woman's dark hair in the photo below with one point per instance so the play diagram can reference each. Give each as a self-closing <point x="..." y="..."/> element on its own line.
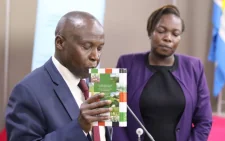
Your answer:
<point x="157" y="14"/>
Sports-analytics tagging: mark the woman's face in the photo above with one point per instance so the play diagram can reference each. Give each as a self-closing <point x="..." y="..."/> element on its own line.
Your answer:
<point x="166" y="35"/>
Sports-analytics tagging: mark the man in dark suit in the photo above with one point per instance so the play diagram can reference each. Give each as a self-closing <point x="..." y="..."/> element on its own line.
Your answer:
<point x="49" y="104"/>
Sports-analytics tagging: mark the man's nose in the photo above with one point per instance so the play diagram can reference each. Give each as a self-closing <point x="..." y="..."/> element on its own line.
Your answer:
<point x="95" y="54"/>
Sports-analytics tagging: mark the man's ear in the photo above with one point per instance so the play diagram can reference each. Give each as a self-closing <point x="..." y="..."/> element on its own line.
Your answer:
<point x="59" y="42"/>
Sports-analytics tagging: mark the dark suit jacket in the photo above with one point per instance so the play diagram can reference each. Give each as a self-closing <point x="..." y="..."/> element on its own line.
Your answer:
<point x="190" y="75"/>
<point x="41" y="107"/>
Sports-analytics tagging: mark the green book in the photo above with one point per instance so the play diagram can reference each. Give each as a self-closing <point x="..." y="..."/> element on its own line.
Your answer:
<point x="113" y="83"/>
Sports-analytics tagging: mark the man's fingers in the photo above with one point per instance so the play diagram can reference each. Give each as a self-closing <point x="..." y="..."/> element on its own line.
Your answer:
<point x="97" y="111"/>
<point x="93" y="108"/>
<point x="95" y="105"/>
<point x="99" y="104"/>
<point x="94" y="98"/>
<point x="91" y="119"/>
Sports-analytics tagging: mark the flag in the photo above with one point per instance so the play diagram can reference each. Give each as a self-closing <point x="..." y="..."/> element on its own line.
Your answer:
<point x="217" y="49"/>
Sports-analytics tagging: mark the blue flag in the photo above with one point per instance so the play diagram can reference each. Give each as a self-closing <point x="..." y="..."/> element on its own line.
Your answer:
<point x="217" y="50"/>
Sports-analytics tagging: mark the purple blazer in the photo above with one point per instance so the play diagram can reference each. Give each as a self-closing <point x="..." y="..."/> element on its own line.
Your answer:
<point x="190" y="75"/>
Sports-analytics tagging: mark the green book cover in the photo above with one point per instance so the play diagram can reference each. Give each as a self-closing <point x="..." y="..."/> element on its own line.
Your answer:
<point x="113" y="83"/>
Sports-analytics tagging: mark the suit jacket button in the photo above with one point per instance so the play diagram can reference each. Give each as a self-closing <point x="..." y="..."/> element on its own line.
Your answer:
<point x="178" y="129"/>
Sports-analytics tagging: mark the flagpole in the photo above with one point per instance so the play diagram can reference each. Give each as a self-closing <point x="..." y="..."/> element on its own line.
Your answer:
<point x="220" y="102"/>
<point x="6" y="54"/>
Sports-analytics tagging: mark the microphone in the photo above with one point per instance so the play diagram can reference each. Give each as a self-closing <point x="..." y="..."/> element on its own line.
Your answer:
<point x="138" y="132"/>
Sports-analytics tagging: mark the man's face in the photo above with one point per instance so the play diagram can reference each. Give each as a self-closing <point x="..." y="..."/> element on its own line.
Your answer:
<point x="166" y="35"/>
<point x="83" y="49"/>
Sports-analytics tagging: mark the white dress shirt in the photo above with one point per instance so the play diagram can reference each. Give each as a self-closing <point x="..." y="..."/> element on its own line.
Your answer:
<point x="72" y="83"/>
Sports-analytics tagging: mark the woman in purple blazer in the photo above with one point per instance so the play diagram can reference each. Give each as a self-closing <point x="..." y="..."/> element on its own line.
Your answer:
<point x="168" y="92"/>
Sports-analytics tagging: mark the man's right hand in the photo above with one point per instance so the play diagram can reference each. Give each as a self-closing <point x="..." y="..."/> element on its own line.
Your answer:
<point x="91" y="109"/>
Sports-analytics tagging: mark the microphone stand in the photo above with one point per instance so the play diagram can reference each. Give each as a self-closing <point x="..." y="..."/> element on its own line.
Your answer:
<point x="148" y="134"/>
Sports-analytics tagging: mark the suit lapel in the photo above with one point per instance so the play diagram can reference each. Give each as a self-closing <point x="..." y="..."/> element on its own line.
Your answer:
<point x="67" y="100"/>
<point x="62" y="90"/>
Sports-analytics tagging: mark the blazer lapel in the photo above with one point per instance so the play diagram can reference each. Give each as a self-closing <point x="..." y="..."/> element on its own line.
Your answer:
<point x="67" y="100"/>
<point x="136" y="84"/>
<point x="62" y="90"/>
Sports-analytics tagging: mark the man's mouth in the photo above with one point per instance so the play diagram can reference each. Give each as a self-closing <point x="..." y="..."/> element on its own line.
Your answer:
<point x="92" y="67"/>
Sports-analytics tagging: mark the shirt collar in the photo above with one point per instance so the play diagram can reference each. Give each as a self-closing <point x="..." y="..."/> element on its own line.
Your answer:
<point x="65" y="73"/>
